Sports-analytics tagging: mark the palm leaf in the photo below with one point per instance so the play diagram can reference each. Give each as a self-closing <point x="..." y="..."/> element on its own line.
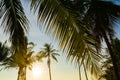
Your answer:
<point x="4" y="51"/>
<point x="14" y="20"/>
<point x="54" y="57"/>
<point x="55" y="54"/>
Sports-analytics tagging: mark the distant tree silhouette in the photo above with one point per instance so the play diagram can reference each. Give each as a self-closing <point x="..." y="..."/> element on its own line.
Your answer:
<point x="49" y="53"/>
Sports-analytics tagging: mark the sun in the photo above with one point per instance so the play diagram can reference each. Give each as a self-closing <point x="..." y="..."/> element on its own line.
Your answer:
<point x="37" y="70"/>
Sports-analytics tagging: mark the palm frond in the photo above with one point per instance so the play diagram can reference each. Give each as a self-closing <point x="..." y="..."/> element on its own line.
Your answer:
<point x="54" y="57"/>
<point x="9" y="63"/>
<point x="4" y="51"/>
<point x="55" y="54"/>
<point x="14" y="20"/>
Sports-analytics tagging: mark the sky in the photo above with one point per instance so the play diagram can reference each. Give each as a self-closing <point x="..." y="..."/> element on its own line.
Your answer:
<point x="63" y="70"/>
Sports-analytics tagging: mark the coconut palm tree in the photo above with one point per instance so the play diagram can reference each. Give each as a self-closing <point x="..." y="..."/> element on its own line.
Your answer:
<point x="82" y="19"/>
<point x="20" y="62"/>
<point x="49" y="53"/>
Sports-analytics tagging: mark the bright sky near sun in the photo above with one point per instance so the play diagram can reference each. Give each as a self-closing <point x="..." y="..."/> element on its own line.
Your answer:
<point x="60" y="71"/>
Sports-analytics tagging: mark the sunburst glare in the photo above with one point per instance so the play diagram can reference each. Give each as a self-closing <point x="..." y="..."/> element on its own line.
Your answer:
<point x="37" y="70"/>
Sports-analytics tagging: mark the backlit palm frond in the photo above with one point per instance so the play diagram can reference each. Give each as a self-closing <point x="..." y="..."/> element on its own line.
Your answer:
<point x="52" y="14"/>
<point x="4" y="52"/>
<point x="30" y="58"/>
<point x="92" y="62"/>
<point x="89" y="56"/>
<point x="9" y="63"/>
<point x="30" y="47"/>
<point x="67" y="28"/>
<point x="40" y="56"/>
<point x="14" y="20"/>
<point x="54" y="57"/>
<point x="64" y="25"/>
<point x="55" y="54"/>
